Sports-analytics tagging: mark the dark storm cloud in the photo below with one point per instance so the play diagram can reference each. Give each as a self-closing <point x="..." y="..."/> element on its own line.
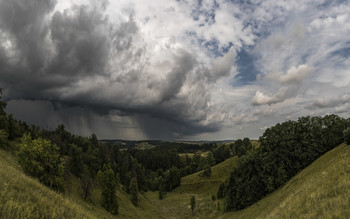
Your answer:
<point x="23" y="28"/>
<point x="80" y="42"/>
<point x="175" y="79"/>
<point x="78" y="58"/>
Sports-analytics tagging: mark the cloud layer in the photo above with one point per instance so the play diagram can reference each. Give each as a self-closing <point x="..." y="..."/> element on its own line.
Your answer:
<point x="175" y="69"/>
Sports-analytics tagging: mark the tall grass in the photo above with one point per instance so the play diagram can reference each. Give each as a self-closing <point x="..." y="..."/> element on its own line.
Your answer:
<point x="24" y="197"/>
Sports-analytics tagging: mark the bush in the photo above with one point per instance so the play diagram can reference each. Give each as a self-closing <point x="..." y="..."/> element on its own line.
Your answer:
<point x="207" y="171"/>
<point x="347" y="136"/>
<point x="3" y="137"/>
<point x="41" y="159"/>
<point x="134" y="191"/>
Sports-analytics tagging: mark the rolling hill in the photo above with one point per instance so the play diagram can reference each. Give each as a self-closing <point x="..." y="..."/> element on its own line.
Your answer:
<point x="320" y="190"/>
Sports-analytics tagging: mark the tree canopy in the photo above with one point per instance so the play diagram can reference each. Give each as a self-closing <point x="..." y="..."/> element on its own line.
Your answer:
<point x="285" y="149"/>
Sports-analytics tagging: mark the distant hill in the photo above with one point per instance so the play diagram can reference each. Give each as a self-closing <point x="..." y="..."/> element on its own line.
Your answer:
<point x="165" y="143"/>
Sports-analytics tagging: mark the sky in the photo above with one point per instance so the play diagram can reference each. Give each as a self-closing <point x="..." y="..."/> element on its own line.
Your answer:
<point x="187" y="70"/>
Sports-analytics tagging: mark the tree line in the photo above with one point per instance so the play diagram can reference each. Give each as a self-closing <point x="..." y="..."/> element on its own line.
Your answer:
<point x="285" y="149"/>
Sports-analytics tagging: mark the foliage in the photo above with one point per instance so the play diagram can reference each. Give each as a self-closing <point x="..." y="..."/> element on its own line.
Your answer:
<point x="87" y="183"/>
<point x="3" y="137"/>
<point x="25" y="197"/>
<point x="193" y="203"/>
<point x="285" y="149"/>
<point x="222" y="153"/>
<point x="221" y="191"/>
<point x="2" y="104"/>
<point x="13" y="128"/>
<point x="41" y="159"/>
<point x="133" y="189"/>
<point x="321" y="190"/>
<point x="240" y="147"/>
<point x="108" y="181"/>
<point x="207" y="171"/>
<point x="174" y="178"/>
<point x="347" y="136"/>
<point x="209" y="159"/>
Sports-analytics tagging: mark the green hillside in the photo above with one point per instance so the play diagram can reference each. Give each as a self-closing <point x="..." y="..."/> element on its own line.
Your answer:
<point x="24" y="197"/>
<point x="177" y="202"/>
<point x="197" y="184"/>
<point x="322" y="190"/>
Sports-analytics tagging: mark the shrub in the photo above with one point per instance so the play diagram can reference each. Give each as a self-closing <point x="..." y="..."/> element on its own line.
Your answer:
<point x="207" y="171"/>
<point x="41" y="159"/>
<point x="3" y="137"/>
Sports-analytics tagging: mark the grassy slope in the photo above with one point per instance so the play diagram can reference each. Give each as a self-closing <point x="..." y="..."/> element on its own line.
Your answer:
<point x="24" y="197"/>
<point x="177" y="203"/>
<point x="321" y="190"/>
<point x="199" y="185"/>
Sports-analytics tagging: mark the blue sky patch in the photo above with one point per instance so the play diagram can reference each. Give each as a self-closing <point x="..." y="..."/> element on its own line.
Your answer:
<point x="246" y="68"/>
<point x="343" y="52"/>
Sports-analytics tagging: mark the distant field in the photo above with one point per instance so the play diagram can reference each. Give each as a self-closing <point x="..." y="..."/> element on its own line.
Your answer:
<point x="202" y="153"/>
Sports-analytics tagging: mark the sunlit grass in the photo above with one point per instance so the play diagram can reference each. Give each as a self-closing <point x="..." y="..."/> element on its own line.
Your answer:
<point x="24" y="197"/>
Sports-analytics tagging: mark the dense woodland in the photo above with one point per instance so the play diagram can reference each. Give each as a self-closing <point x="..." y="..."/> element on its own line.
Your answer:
<point x="55" y="156"/>
<point x="285" y="149"/>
